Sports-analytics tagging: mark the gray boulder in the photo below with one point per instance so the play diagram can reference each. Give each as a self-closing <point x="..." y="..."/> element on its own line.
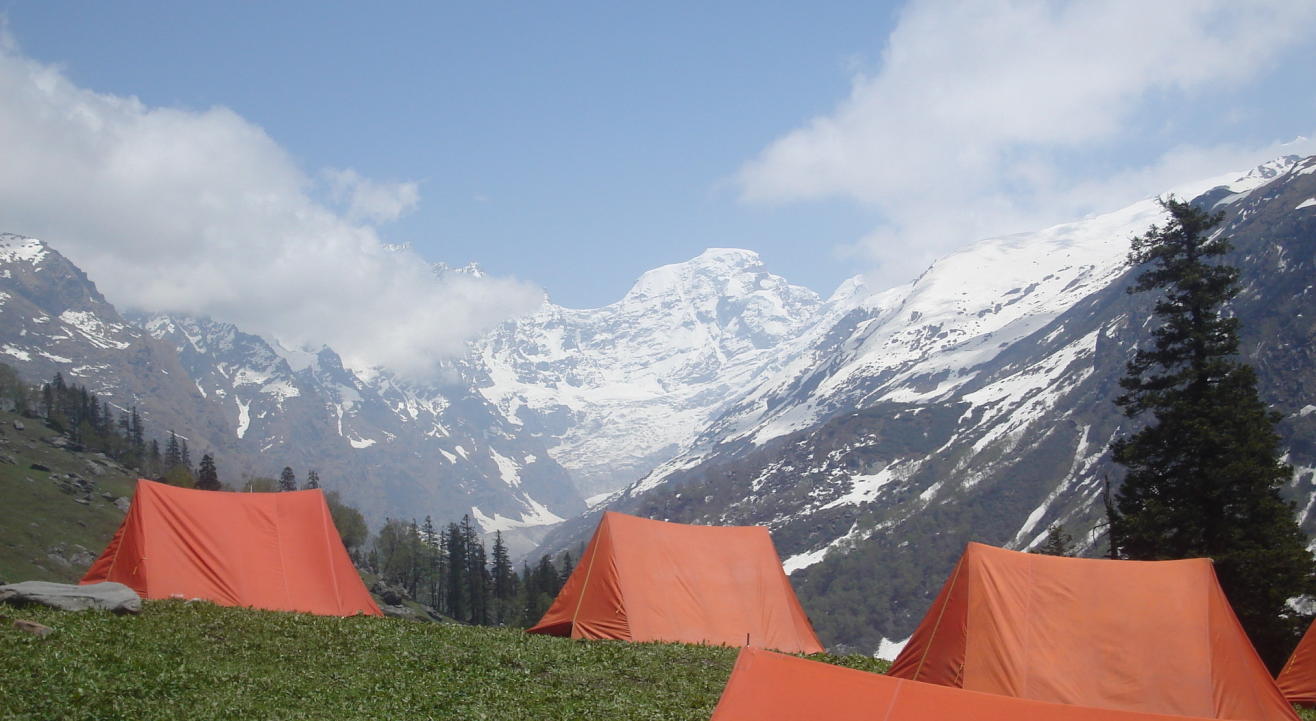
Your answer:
<point x="114" y="597"/>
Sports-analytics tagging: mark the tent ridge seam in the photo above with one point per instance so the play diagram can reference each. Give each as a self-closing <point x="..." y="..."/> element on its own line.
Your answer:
<point x="891" y="707"/>
<point x="937" y="626"/>
<point x="584" y="585"/>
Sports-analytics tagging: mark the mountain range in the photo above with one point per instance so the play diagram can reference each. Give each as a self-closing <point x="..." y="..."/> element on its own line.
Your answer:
<point x="976" y="403"/>
<point x="873" y="432"/>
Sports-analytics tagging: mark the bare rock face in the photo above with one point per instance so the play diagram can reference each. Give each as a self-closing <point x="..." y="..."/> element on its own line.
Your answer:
<point x="108" y="596"/>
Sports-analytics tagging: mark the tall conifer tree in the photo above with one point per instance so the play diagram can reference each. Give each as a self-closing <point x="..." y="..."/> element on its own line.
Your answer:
<point x="1204" y="473"/>
<point x="504" y="581"/>
<point x="456" y="592"/>
<point x="173" y="455"/>
<point x="207" y="476"/>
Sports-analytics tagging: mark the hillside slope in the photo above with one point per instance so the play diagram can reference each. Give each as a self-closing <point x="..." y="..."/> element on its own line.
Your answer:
<point x="60" y="506"/>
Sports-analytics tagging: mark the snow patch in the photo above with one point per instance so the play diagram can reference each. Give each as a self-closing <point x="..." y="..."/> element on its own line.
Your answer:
<point x="863" y="489"/>
<point x="18" y="248"/>
<point x="361" y="442"/>
<point x="244" y="417"/>
<point x="1309" y="202"/>
<point x="889" y="649"/>
<point x="17" y="353"/>
<point x="56" y="358"/>
<point x="804" y="560"/>
<point x="536" y="514"/>
<point x="508" y="470"/>
<point x="93" y="328"/>
<point x="601" y="499"/>
<point x="809" y="558"/>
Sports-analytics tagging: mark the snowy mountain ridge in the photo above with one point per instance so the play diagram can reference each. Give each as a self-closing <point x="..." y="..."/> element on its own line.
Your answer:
<point x="976" y="404"/>
<point x="622" y="387"/>
<point x="924" y="341"/>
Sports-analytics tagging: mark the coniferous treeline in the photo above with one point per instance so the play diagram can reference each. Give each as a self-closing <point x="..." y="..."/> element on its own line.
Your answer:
<point x="451" y="571"/>
<point x="92" y="424"/>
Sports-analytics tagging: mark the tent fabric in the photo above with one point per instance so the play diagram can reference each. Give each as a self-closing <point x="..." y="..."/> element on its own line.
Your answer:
<point x="277" y="551"/>
<point x="766" y="686"/>
<point x="645" y="580"/>
<point x="1297" y="680"/>
<point x="1150" y="636"/>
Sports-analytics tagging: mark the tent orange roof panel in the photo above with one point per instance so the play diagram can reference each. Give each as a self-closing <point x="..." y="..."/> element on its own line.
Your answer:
<point x="644" y="580"/>
<point x="1297" y="680"/>
<point x="277" y="551"/>
<point x="1150" y="636"/>
<point x="766" y="686"/>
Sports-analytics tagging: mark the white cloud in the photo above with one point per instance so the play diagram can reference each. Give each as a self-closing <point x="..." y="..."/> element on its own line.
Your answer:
<point x="372" y="200"/>
<point x="972" y="121"/>
<point x="200" y="211"/>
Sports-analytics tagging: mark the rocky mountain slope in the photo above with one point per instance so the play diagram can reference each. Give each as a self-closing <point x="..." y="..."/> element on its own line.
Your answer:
<point x="975" y="404"/>
<point x="392" y="446"/>
<point x="544" y="409"/>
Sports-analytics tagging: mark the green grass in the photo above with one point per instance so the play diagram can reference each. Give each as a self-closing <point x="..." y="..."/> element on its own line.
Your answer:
<point x="35" y="515"/>
<point x="200" y="661"/>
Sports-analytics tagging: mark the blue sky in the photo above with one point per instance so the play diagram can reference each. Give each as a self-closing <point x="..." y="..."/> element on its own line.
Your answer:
<point x="575" y="147"/>
<point x="572" y="147"/>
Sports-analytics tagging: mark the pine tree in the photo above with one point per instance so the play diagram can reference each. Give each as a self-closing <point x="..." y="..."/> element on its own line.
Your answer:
<point x="1057" y="542"/>
<point x="441" y="575"/>
<point x="477" y="573"/>
<point x="432" y="566"/>
<point x="564" y="571"/>
<point x="207" y="477"/>
<point x="47" y="401"/>
<point x="94" y="414"/>
<point x="287" y="480"/>
<point x="136" y="435"/>
<point x="184" y="457"/>
<point x="173" y="455"/>
<point x="456" y="587"/>
<point x="152" y="468"/>
<point x="107" y="419"/>
<point x="312" y="480"/>
<point x="1204" y="473"/>
<point x="504" y="581"/>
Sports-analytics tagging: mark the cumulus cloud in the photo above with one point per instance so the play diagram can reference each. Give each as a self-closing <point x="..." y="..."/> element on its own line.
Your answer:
<point x="199" y="211"/>
<point x="977" y="112"/>
<point x="372" y="200"/>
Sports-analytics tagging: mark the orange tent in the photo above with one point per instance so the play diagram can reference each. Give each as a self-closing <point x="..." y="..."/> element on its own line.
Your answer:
<point x="643" y="580"/>
<point x="766" y="686"/>
<point x="278" y="551"/>
<point x="1152" y="636"/>
<point x="1297" y="680"/>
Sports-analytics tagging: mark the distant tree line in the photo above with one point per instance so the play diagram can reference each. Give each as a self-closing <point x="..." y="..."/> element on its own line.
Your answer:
<point x="93" y="425"/>
<point x="450" y="570"/>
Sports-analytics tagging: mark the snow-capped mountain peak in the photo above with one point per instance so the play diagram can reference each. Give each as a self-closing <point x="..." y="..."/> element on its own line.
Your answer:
<point x="21" y="249"/>
<point x="620" y="387"/>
